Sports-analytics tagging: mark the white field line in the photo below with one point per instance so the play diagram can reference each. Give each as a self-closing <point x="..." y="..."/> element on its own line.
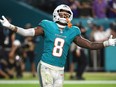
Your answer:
<point x="65" y="82"/>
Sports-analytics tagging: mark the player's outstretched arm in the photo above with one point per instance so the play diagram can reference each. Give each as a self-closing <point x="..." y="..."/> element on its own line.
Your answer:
<point x="80" y="41"/>
<point x="21" y="31"/>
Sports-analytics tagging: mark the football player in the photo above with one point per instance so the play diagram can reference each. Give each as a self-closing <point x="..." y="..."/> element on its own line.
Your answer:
<point x="58" y="36"/>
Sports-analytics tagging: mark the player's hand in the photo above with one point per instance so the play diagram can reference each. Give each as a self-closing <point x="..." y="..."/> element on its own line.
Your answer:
<point x="6" y="23"/>
<point x="110" y="41"/>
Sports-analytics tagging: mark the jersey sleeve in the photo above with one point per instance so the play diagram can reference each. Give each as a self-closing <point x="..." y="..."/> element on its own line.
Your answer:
<point x="45" y="25"/>
<point x="42" y="23"/>
<point x="77" y="31"/>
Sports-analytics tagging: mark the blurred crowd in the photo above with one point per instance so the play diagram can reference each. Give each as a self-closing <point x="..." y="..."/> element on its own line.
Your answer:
<point x="14" y="53"/>
<point x="80" y="8"/>
<point x="81" y="59"/>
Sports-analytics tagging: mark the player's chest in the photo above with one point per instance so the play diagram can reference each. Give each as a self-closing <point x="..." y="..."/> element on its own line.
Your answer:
<point x="65" y="36"/>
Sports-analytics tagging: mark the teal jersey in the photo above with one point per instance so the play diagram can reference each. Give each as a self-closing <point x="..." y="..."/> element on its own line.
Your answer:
<point x="57" y="42"/>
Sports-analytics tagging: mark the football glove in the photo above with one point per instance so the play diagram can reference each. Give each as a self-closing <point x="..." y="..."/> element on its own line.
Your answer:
<point x="6" y="23"/>
<point x="110" y="42"/>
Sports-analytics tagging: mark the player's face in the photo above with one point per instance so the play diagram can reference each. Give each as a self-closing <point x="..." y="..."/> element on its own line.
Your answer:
<point x="64" y="14"/>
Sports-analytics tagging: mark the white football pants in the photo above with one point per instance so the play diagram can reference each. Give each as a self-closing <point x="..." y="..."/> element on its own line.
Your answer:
<point x="49" y="77"/>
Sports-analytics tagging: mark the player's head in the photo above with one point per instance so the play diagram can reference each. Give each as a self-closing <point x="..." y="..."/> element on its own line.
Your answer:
<point x="62" y="12"/>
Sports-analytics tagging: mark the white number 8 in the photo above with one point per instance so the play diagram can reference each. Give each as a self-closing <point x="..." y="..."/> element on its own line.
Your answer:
<point x="58" y="47"/>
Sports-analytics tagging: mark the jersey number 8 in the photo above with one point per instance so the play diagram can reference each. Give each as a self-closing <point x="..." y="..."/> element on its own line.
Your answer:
<point x="58" y="47"/>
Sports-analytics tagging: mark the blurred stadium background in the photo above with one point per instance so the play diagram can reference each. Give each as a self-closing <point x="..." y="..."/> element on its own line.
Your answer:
<point x="98" y="73"/>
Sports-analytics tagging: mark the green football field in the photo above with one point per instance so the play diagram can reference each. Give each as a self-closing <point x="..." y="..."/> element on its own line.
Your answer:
<point x="66" y="85"/>
<point x="92" y="80"/>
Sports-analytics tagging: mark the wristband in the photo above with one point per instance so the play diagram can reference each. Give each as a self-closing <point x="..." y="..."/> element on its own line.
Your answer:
<point x="105" y="43"/>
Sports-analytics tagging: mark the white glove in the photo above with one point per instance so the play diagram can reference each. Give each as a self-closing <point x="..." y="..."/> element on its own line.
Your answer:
<point x="6" y="23"/>
<point x="110" y="41"/>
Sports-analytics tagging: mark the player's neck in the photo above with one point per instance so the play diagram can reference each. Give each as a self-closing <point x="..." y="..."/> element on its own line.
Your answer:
<point x="61" y="25"/>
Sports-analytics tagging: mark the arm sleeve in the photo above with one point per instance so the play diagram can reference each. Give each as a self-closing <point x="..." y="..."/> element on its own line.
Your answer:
<point x="26" y="32"/>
